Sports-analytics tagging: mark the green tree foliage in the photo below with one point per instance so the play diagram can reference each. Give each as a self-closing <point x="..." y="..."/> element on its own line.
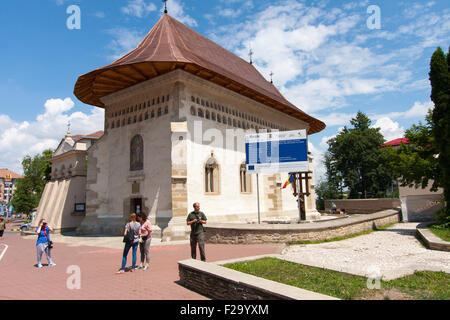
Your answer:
<point x="325" y="191"/>
<point x="356" y="158"/>
<point x="29" y="189"/>
<point x="425" y="162"/>
<point x="440" y="95"/>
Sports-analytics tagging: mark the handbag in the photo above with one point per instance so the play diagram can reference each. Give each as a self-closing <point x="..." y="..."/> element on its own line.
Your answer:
<point x="50" y="243"/>
<point x="129" y="237"/>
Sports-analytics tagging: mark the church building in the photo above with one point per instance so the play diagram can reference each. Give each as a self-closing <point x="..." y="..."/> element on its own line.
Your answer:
<point x="177" y="109"/>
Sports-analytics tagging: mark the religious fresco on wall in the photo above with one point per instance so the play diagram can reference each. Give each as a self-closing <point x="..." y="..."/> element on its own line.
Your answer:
<point x="137" y="153"/>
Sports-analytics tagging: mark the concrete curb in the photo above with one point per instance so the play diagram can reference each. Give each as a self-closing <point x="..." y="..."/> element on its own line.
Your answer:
<point x="222" y="283"/>
<point x="432" y="241"/>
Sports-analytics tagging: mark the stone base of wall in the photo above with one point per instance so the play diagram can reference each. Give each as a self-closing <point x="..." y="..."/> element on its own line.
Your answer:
<point x="314" y="231"/>
<point x="432" y="241"/>
<point x="226" y="284"/>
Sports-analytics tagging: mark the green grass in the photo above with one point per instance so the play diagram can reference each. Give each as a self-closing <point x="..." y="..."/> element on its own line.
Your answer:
<point x="290" y="243"/>
<point x="443" y="233"/>
<point x="421" y="285"/>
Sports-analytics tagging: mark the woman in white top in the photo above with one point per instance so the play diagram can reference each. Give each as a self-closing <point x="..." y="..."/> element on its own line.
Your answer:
<point x="146" y="237"/>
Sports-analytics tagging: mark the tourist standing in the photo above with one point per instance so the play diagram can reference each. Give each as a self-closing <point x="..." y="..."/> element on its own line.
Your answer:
<point x="43" y="243"/>
<point x="2" y="227"/>
<point x="133" y="227"/>
<point x="196" y="219"/>
<point x="145" y="240"/>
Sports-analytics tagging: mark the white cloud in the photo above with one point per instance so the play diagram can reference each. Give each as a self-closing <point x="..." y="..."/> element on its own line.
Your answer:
<point x="175" y="9"/>
<point x="321" y="55"/>
<point x="18" y="139"/>
<point x="124" y="41"/>
<point x="389" y="129"/>
<point x="418" y="110"/>
<point x="138" y="8"/>
<point x="100" y="14"/>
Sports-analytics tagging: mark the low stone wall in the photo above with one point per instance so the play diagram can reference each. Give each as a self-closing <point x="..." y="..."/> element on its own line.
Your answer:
<point x="355" y="206"/>
<point x="314" y="231"/>
<point x="226" y="284"/>
<point x="432" y="241"/>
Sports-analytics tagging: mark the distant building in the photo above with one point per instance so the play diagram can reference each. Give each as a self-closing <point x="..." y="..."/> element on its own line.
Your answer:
<point x="8" y="181"/>
<point x="64" y="197"/>
<point x="417" y="204"/>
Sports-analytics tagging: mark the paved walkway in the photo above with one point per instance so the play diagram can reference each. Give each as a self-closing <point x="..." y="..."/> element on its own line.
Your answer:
<point x="390" y="253"/>
<point x="22" y="280"/>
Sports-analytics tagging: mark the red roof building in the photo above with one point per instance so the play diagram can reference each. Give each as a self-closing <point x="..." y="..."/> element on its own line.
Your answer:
<point x="396" y="142"/>
<point x="7" y="184"/>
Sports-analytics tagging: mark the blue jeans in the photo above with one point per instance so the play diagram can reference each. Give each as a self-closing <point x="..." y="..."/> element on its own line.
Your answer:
<point x="127" y="248"/>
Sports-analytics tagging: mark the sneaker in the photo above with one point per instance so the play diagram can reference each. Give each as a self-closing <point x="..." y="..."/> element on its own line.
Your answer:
<point x="139" y="267"/>
<point x="52" y="264"/>
<point x="39" y="265"/>
<point x="145" y="268"/>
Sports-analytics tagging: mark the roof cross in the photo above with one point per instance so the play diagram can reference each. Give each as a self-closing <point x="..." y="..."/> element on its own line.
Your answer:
<point x="165" y="5"/>
<point x="250" y="53"/>
<point x="271" y="74"/>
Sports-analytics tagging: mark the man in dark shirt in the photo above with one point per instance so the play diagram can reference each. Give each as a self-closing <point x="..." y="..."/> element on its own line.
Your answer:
<point x="196" y="219"/>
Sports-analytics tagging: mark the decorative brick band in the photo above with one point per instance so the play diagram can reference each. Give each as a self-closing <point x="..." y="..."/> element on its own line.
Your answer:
<point x="314" y="231"/>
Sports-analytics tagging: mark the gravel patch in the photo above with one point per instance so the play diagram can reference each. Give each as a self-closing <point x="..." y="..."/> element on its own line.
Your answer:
<point x="391" y="253"/>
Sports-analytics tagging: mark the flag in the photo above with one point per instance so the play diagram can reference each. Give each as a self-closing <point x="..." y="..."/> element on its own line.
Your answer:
<point x="288" y="181"/>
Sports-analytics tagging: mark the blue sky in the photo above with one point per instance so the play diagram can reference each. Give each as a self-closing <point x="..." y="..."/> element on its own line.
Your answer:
<point x="325" y="58"/>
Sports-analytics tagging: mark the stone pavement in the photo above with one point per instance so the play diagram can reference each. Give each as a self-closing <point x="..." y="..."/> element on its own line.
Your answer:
<point x="98" y="262"/>
<point x="391" y="253"/>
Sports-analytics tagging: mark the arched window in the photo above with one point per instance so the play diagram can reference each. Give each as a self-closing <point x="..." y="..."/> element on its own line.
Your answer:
<point x="140" y="117"/>
<point x="213" y="116"/>
<point x="153" y="114"/>
<point x="123" y="122"/>
<point x="118" y="123"/>
<point x="146" y="116"/>
<point x="207" y="114"/>
<point x="200" y="112"/>
<point x="159" y="111"/>
<point x="112" y="125"/>
<point x="166" y="110"/>
<point x="219" y="119"/>
<point x="211" y="176"/>
<point x="136" y="153"/>
<point x="245" y="179"/>
<point x="192" y="111"/>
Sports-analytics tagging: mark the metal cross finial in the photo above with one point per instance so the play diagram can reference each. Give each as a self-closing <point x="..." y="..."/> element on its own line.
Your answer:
<point x="271" y="74"/>
<point x="165" y="5"/>
<point x="250" y="53"/>
<point x="68" y="128"/>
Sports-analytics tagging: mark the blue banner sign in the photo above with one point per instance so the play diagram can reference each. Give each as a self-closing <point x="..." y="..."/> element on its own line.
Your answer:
<point x="274" y="152"/>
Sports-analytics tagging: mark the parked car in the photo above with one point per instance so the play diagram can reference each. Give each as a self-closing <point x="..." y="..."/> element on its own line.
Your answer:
<point x="25" y="226"/>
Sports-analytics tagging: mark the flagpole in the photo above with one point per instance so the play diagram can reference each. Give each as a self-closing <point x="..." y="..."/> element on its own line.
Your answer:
<point x="257" y="192"/>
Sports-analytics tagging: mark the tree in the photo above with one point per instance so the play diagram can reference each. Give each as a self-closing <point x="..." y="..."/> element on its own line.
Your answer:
<point x="425" y="160"/>
<point x="355" y="156"/>
<point x="440" y="95"/>
<point x="29" y="189"/>
<point x="325" y="191"/>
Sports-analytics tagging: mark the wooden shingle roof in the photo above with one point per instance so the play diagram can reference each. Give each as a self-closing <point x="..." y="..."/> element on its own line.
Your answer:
<point x="171" y="45"/>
